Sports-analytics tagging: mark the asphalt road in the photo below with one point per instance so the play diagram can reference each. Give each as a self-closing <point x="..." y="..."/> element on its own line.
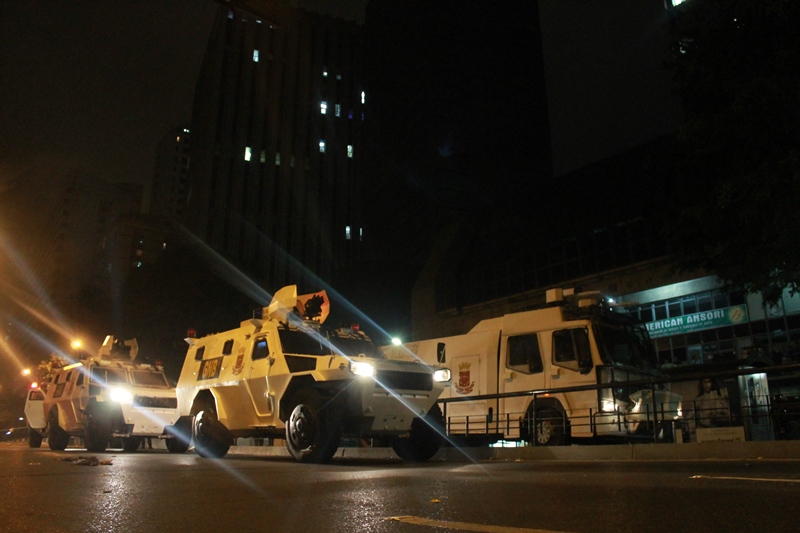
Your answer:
<point x="157" y="491"/>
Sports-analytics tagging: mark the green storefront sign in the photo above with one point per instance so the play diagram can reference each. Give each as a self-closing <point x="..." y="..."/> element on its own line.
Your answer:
<point x="717" y="318"/>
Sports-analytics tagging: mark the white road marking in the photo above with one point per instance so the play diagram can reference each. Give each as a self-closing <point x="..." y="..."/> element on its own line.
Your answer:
<point x="777" y="480"/>
<point x="466" y="526"/>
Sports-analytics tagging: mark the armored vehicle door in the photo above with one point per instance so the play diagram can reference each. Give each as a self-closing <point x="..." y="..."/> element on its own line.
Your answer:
<point x="257" y="375"/>
<point x="80" y="393"/>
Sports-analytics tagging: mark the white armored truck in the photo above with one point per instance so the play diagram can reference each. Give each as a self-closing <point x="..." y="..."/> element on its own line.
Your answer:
<point x="283" y="375"/>
<point x="576" y="352"/>
<point x="104" y="397"/>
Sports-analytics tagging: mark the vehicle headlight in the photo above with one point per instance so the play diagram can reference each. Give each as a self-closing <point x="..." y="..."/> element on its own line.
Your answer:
<point x="360" y="368"/>
<point x="608" y="405"/>
<point x="441" y="375"/>
<point x="120" y="395"/>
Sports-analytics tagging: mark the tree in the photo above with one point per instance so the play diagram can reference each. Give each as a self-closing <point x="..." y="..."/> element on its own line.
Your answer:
<point x="45" y="369"/>
<point x="737" y="73"/>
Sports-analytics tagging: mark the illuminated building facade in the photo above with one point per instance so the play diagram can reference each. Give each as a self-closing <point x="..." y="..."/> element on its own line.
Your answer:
<point x="276" y="142"/>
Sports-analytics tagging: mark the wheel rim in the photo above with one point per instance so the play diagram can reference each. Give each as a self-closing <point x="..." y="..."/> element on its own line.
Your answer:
<point x="202" y="423"/>
<point x="544" y="432"/>
<point x="302" y="426"/>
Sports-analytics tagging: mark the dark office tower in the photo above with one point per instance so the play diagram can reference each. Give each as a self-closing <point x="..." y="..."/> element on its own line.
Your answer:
<point x="276" y="142"/>
<point x="168" y="189"/>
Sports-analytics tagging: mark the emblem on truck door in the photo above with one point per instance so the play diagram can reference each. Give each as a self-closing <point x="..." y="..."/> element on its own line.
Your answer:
<point x="464" y="386"/>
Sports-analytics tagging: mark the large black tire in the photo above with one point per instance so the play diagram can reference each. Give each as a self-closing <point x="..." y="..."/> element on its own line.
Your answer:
<point x="98" y="433"/>
<point x="424" y="440"/>
<point x="131" y="444"/>
<point x="550" y="428"/>
<point x="313" y="429"/>
<point x="211" y="438"/>
<point x="34" y="438"/>
<point x="180" y="436"/>
<point x="57" y="438"/>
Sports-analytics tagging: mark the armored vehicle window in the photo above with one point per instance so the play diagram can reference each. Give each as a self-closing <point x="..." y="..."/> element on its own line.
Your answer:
<point x="571" y="348"/>
<point x="146" y="378"/>
<point x="524" y="355"/>
<point x="300" y="342"/>
<point x="353" y="346"/>
<point x="69" y="376"/>
<point x="227" y="348"/>
<point x="80" y="377"/>
<point x="198" y="354"/>
<point x="108" y="375"/>
<point x="260" y="349"/>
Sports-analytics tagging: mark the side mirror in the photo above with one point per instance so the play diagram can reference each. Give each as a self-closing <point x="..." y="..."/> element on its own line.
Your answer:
<point x="440" y="355"/>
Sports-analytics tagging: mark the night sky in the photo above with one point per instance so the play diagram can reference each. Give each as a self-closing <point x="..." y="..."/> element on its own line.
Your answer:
<point x="94" y="85"/>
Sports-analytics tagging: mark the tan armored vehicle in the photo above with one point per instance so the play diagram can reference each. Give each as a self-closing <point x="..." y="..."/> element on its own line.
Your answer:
<point x="283" y="375"/>
<point x="103" y="397"/>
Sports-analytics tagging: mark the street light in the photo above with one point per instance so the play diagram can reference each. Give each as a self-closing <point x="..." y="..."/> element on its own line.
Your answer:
<point x="26" y="372"/>
<point x="76" y="344"/>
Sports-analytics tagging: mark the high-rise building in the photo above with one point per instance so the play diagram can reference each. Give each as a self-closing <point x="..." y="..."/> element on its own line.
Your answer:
<point x="168" y="190"/>
<point x="533" y="126"/>
<point x="275" y="174"/>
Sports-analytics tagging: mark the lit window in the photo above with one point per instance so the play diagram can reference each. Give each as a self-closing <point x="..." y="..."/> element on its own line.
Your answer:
<point x="164" y="246"/>
<point x="258" y="21"/>
<point x="263" y="156"/>
<point x="338" y="76"/>
<point x="350" y="151"/>
<point x="247" y="153"/>
<point x="322" y="147"/>
<point x="338" y="109"/>
<point x="291" y="161"/>
<point x="185" y="130"/>
<point x="324" y="72"/>
<point x="323" y="108"/>
<point x="138" y="264"/>
<point x="178" y="139"/>
<point x="277" y="159"/>
<point x="230" y="14"/>
<point x="363" y="97"/>
<point x="360" y="234"/>
<point x="255" y="56"/>
<point x="350" y="114"/>
<point x="347" y="232"/>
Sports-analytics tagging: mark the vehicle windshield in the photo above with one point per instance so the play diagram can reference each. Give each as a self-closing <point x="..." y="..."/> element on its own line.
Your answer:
<point x="315" y="343"/>
<point x="625" y="345"/>
<point x="108" y="376"/>
<point x="146" y="378"/>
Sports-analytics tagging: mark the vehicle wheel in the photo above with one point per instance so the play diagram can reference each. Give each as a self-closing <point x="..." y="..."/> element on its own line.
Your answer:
<point x="131" y="444"/>
<point x="425" y="438"/>
<point x="313" y="429"/>
<point x="57" y="438"/>
<point x="211" y="438"/>
<point x="97" y="433"/>
<point x="549" y="428"/>
<point x="34" y="438"/>
<point x="180" y="436"/>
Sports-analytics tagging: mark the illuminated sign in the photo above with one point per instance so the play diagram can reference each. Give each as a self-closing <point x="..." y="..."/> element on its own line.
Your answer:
<point x="717" y="318"/>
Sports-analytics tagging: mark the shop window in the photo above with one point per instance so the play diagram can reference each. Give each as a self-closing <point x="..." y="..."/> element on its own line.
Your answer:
<point x="679" y="355"/>
<point x="721" y="301"/>
<point x="704" y="303"/>
<point x="661" y="311"/>
<point x="689" y="306"/>
<point x="725" y="333"/>
<point x="674" y="309"/>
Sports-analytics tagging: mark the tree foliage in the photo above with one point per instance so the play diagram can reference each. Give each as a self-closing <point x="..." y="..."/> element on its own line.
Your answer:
<point x="45" y="369"/>
<point x="737" y="73"/>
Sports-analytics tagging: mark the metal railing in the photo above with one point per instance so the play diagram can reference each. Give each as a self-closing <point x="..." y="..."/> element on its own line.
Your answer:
<point x="771" y="416"/>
